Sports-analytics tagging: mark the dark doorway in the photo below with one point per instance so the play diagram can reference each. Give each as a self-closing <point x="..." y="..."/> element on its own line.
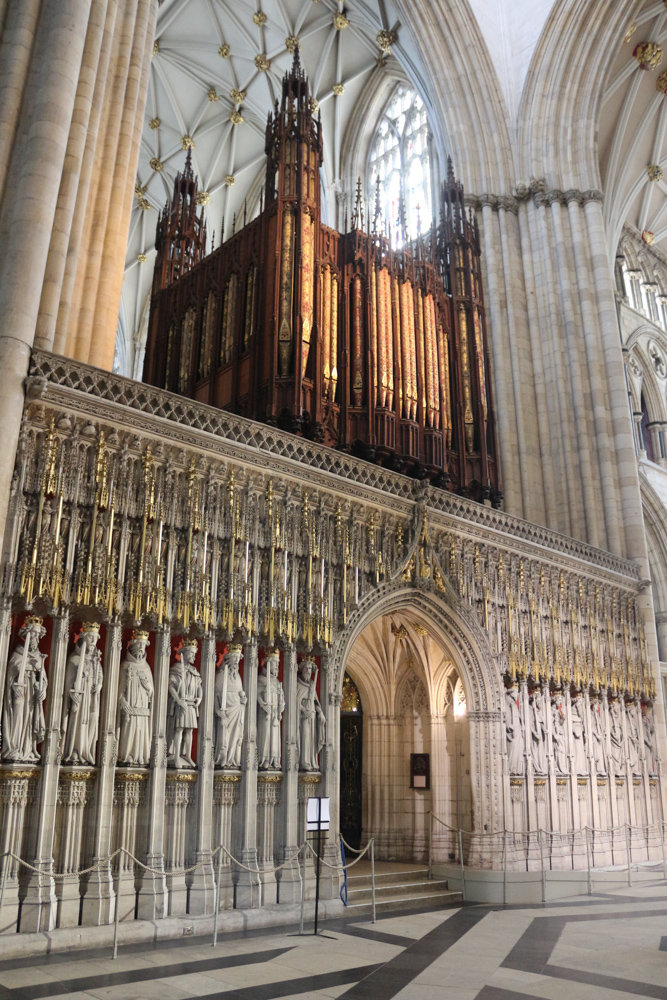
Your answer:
<point x="351" y="740"/>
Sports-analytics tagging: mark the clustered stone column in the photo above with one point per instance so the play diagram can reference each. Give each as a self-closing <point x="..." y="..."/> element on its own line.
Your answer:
<point x="119" y="769"/>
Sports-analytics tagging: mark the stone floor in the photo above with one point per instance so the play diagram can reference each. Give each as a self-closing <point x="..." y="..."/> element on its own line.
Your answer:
<point x="611" y="945"/>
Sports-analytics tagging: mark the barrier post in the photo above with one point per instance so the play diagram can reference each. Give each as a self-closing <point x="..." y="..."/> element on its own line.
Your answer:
<point x="627" y="852"/>
<point x="504" y="867"/>
<point x="373" y="876"/>
<point x="302" y="890"/>
<point x="661" y="826"/>
<point x="430" y="844"/>
<point x="217" y="898"/>
<point x="116" y="915"/>
<point x="588" y="863"/>
<point x="5" y="865"/>
<point x="544" y="874"/>
<point x="463" y="873"/>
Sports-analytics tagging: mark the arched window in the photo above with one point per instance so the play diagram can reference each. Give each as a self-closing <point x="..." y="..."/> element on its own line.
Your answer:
<point x="647" y="440"/>
<point x="400" y="159"/>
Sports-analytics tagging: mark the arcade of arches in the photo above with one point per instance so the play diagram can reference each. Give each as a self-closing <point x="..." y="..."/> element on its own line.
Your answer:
<point x="334" y="420"/>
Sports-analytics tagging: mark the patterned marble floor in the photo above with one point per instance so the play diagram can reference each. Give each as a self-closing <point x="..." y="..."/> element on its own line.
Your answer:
<point x="611" y="945"/>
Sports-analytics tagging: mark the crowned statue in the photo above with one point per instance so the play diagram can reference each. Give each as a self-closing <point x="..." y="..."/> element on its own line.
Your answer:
<point x="514" y="731"/>
<point x="270" y="708"/>
<point x="135" y="703"/>
<point x="312" y="721"/>
<point x="23" y="723"/>
<point x="81" y="699"/>
<point x="185" y="695"/>
<point x="230" y="707"/>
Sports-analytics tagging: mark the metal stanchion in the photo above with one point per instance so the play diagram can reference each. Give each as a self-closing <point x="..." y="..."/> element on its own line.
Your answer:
<point x="5" y="866"/>
<point x="627" y="852"/>
<point x="661" y="827"/>
<point x="430" y="844"/>
<point x="301" y="880"/>
<point x="117" y="912"/>
<point x="373" y="876"/>
<point x="217" y="899"/>
<point x="463" y="873"/>
<point x="588" y="863"/>
<point x="504" y="867"/>
<point x="544" y="874"/>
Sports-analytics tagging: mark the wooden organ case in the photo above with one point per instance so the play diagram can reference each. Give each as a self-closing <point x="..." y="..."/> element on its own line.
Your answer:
<point x="342" y="338"/>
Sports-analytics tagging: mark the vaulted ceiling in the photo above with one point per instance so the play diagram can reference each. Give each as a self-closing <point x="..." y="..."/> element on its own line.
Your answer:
<point x="633" y="131"/>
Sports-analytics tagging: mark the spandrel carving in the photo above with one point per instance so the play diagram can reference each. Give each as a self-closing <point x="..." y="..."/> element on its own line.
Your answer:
<point x="81" y="698"/>
<point x="23" y="722"/>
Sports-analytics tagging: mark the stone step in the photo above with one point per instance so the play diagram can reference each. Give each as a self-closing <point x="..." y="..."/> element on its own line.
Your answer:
<point x="388" y="878"/>
<point x="427" y="887"/>
<point x="423" y="901"/>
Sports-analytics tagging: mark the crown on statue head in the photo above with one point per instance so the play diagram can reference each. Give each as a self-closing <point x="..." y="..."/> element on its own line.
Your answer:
<point x="272" y="654"/>
<point x="236" y="648"/>
<point x="192" y="643"/>
<point x="90" y="627"/>
<point x="138" y="633"/>
<point x="33" y="621"/>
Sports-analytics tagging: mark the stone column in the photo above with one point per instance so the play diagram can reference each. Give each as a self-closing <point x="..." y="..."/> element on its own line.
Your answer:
<point x="38" y="912"/>
<point x="225" y="800"/>
<point x="26" y="219"/>
<point x="202" y="888"/>
<point x="179" y="796"/>
<point x="268" y="795"/>
<point x="247" y="885"/>
<point x="98" y="901"/>
<point x="17" y="793"/>
<point x="330" y="699"/>
<point x="74" y="793"/>
<point x="152" y="901"/>
<point x="308" y="783"/>
<point x="129" y="799"/>
<point x="289" y="881"/>
<point x="5" y="636"/>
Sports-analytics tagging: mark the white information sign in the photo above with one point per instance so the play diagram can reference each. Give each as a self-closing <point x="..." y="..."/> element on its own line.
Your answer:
<point x="317" y="817"/>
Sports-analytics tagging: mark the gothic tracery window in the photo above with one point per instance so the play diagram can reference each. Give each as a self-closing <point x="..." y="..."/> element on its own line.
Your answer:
<point x="400" y="160"/>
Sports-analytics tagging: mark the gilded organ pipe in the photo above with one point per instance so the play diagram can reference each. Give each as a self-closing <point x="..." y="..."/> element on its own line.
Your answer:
<point x="325" y="279"/>
<point x="334" y="338"/>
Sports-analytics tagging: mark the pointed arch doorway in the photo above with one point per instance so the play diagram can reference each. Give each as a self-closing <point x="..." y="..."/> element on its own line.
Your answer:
<point x="402" y="697"/>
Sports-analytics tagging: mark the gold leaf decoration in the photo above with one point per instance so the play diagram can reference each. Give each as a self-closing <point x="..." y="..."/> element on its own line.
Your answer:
<point x="338" y="89"/>
<point x="156" y="47"/>
<point x="630" y="32"/>
<point x="229" y="180"/>
<point x="187" y="142"/>
<point x="262" y="63"/>
<point x="203" y="197"/>
<point x="385" y="39"/>
<point x="238" y="96"/>
<point x="223" y="51"/>
<point x="141" y="257"/>
<point x="157" y="165"/>
<point x="155" y="123"/>
<point x="648" y="55"/>
<point x="654" y="171"/>
<point x="212" y="95"/>
<point x="648" y="237"/>
<point x="259" y="18"/>
<point x="340" y="22"/>
<point x="292" y="44"/>
<point x="313" y="105"/>
<point x="236" y="118"/>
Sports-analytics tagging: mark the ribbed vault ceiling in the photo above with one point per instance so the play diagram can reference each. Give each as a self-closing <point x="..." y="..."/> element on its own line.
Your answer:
<point x="633" y="133"/>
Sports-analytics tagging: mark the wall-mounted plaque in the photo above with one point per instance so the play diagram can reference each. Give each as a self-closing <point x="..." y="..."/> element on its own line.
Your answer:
<point x="420" y="770"/>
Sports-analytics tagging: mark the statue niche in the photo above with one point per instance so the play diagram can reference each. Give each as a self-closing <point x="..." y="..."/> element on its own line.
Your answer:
<point x="514" y="731"/>
<point x="312" y="721"/>
<point x="135" y="703"/>
<point x="184" y="698"/>
<point x="81" y="699"/>
<point x="230" y="708"/>
<point x="23" y="723"/>
<point x="270" y="708"/>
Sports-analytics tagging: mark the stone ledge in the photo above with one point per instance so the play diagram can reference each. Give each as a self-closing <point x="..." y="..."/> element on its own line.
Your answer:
<point x="140" y="931"/>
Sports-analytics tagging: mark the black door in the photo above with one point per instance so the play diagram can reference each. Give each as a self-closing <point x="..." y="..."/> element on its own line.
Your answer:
<point x="351" y="737"/>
